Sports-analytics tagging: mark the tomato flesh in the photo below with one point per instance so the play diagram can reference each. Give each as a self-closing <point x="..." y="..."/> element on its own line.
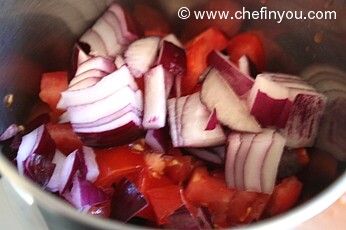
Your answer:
<point x="285" y="196"/>
<point x="116" y="163"/>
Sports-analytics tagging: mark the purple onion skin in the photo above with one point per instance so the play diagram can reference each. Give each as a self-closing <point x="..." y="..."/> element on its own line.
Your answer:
<point x="173" y="59"/>
<point x="182" y="219"/>
<point x="127" y="201"/>
<point x="10" y="147"/>
<point x="39" y="168"/>
<point x="120" y="136"/>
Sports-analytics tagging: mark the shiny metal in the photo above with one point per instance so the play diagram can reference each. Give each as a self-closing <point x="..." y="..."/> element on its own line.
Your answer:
<point x="37" y="36"/>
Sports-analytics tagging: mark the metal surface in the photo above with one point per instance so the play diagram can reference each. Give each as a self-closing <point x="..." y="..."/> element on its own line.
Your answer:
<point x="37" y="36"/>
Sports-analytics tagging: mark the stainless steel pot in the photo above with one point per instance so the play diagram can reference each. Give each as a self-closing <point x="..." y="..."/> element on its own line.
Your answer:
<point x="37" y="36"/>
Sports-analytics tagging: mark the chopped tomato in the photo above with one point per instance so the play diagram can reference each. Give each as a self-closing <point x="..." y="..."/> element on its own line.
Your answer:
<point x="246" y="207"/>
<point x="165" y="200"/>
<point x="52" y="84"/>
<point x="197" y="51"/>
<point x="116" y="163"/>
<point x="285" y="196"/>
<point x="146" y="181"/>
<point x="212" y="192"/>
<point x="64" y="137"/>
<point x="248" y="44"/>
<point x="178" y="168"/>
<point x="152" y="21"/>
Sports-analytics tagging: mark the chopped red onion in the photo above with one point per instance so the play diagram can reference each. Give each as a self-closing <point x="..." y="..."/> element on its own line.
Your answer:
<point x="58" y="160"/>
<point x="96" y="63"/>
<point x="39" y="168"/>
<point x="89" y="160"/>
<point x="127" y="201"/>
<point x="141" y="55"/>
<point x="119" y="61"/>
<point x="154" y="99"/>
<point x="68" y="171"/>
<point x="94" y="40"/>
<point x="10" y="132"/>
<point x="157" y="140"/>
<point x="238" y="81"/>
<point x="93" y="73"/>
<point x="212" y="121"/>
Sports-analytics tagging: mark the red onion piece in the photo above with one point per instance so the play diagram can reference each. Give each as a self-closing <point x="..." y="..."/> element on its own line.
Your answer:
<point x="169" y="81"/>
<point x="183" y="219"/>
<point x="212" y="121"/>
<point x="113" y="21"/>
<point x="39" y="168"/>
<point x="238" y="81"/>
<point x="141" y="55"/>
<point x="88" y="158"/>
<point x="154" y="99"/>
<point x="105" y="107"/>
<point x="10" y="132"/>
<point x="244" y="65"/>
<point x="84" y="194"/>
<point x="127" y="23"/>
<point x="231" y="110"/>
<point x="83" y="84"/>
<point x="94" y="40"/>
<point x="189" y="120"/>
<point x="172" y="39"/>
<point x="58" y="160"/>
<point x="107" y="34"/>
<point x="113" y="137"/>
<point x="206" y="155"/>
<point x="37" y="141"/>
<point x="69" y="169"/>
<point x="105" y="87"/>
<point x="79" y="56"/>
<point x="234" y="143"/>
<point x="157" y="140"/>
<point x="127" y="201"/>
<point x="96" y="63"/>
<point x="172" y="58"/>
<point x="93" y="73"/>
<point x="119" y="61"/>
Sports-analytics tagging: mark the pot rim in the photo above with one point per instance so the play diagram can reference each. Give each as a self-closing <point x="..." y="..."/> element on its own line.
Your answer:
<point x="53" y="204"/>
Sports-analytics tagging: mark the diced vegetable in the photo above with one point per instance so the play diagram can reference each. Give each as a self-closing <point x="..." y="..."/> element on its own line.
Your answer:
<point x="172" y="58"/>
<point x="231" y="111"/>
<point x="165" y="201"/>
<point x="10" y="132"/>
<point x="285" y="196"/>
<point x="127" y="201"/>
<point x="188" y="118"/>
<point x="58" y="160"/>
<point x="197" y="51"/>
<point x="252" y="161"/>
<point x="52" y="84"/>
<point x="248" y="44"/>
<point x="70" y="167"/>
<point x="141" y="55"/>
<point x="157" y="140"/>
<point x="154" y="99"/>
<point x="115" y="163"/>
<point x="239" y="82"/>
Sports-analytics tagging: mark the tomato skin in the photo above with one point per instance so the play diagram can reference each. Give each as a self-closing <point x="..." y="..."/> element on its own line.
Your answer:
<point x="285" y="196"/>
<point x="211" y="192"/>
<point x="197" y="51"/>
<point x="116" y="163"/>
<point x="165" y="200"/>
<point x="248" y="44"/>
<point x="64" y="137"/>
<point x="247" y="207"/>
<point x="52" y="84"/>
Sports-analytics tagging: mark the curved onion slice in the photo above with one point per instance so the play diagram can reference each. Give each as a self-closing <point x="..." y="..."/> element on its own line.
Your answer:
<point x="94" y="40"/>
<point x="39" y="142"/>
<point x="113" y="21"/>
<point x="127" y="24"/>
<point x="79" y="56"/>
<point x="105" y="87"/>
<point x="10" y="132"/>
<point x="86" y="83"/>
<point x="68" y="171"/>
<point x="119" y="61"/>
<point x="141" y="55"/>
<point x="113" y="137"/>
<point x="234" y="143"/>
<point x="105" y="107"/>
<point x="58" y="160"/>
<point x="190" y="118"/>
<point x="93" y="73"/>
<point x="39" y="168"/>
<point x="107" y="34"/>
<point x="238" y="81"/>
<point x="154" y="99"/>
<point x="99" y="63"/>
